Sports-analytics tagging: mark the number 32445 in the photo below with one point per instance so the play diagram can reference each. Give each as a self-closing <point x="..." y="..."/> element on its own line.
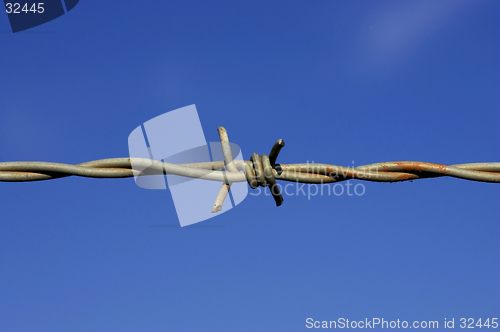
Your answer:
<point x="16" y="8"/>
<point x="469" y="323"/>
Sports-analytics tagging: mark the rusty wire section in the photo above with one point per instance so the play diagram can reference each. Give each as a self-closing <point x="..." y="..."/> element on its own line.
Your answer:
<point x="260" y="170"/>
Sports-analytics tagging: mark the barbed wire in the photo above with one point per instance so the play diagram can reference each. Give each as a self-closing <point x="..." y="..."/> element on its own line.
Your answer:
<point x="260" y="170"/>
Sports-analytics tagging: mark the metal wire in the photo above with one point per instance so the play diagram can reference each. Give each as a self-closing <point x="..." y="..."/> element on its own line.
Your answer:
<point x="259" y="170"/>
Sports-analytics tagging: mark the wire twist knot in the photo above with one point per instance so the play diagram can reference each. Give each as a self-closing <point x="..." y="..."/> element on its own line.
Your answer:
<point x="261" y="174"/>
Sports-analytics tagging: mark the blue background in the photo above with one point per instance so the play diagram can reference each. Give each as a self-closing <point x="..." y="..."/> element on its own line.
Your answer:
<point x="338" y="81"/>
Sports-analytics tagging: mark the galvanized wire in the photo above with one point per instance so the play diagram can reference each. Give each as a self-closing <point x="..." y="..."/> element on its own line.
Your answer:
<point x="395" y="171"/>
<point x="259" y="170"/>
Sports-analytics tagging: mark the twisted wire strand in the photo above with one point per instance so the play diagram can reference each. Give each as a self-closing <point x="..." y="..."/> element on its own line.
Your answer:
<point x="260" y="170"/>
<point x="305" y="173"/>
<point x="112" y="168"/>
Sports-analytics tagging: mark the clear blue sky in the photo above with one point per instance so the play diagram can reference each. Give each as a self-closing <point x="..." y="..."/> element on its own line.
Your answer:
<point x="340" y="82"/>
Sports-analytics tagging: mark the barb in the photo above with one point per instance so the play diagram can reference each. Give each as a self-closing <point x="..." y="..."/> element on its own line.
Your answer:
<point x="260" y="170"/>
<point x="228" y="161"/>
